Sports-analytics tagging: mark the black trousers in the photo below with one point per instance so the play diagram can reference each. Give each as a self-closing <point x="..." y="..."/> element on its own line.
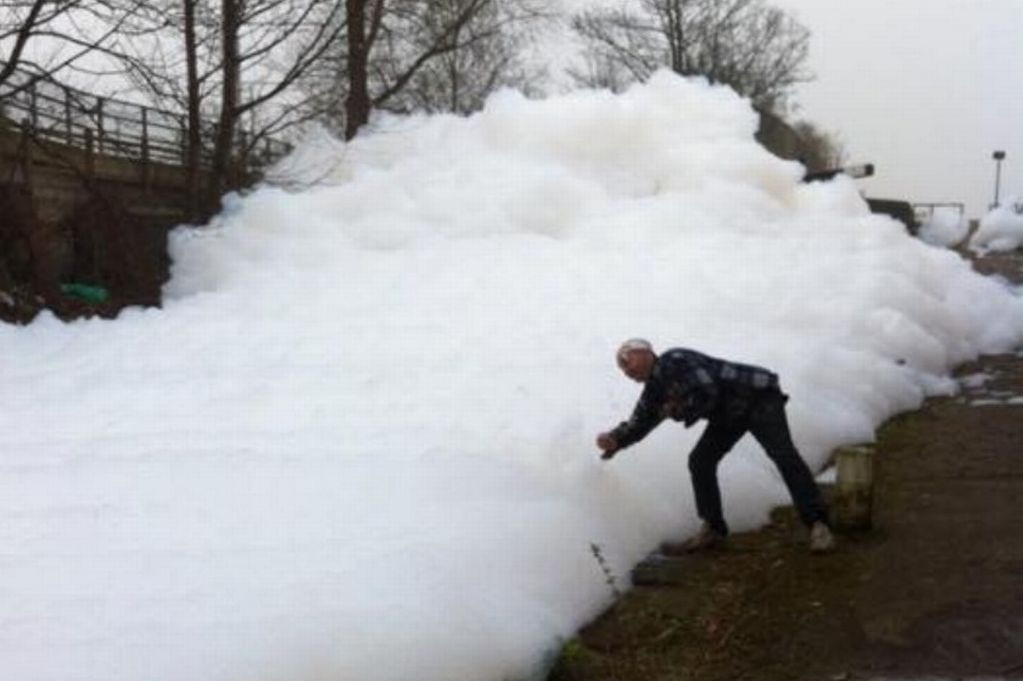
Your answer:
<point x="767" y="422"/>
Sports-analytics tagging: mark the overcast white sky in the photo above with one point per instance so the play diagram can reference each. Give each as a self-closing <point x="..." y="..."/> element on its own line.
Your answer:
<point x="925" y="89"/>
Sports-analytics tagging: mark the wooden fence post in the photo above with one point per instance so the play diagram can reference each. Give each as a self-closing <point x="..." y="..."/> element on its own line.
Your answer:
<point x="184" y="139"/>
<point x="90" y="155"/>
<point x="146" y="170"/>
<point x="32" y="104"/>
<point x="67" y="117"/>
<point x="145" y="133"/>
<point x="26" y="153"/>
<point x="242" y="162"/>
<point x="99" y="124"/>
<point x="853" y="501"/>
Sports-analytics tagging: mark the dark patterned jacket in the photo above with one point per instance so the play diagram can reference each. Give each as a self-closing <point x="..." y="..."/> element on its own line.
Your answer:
<point x="687" y="386"/>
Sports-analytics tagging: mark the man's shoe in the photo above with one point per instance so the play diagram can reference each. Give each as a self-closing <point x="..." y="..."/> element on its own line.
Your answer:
<point x="704" y="540"/>
<point x="821" y="539"/>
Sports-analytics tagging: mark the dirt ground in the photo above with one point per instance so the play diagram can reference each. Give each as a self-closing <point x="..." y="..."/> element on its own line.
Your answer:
<point x="933" y="591"/>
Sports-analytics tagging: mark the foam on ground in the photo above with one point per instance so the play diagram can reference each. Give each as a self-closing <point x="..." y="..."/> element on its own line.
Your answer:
<point x="357" y="441"/>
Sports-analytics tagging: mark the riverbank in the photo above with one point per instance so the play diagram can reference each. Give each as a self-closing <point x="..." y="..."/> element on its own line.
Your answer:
<point x="934" y="590"/>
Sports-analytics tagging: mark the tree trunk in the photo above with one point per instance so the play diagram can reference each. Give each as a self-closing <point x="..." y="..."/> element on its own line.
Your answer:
<point x="357" y="105"/>
<point x="223" y="170"/>
<point x="194" y="141"/>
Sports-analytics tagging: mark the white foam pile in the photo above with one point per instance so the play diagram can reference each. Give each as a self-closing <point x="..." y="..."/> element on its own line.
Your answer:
<point x="357" y="441"/>
<point x="945" y="227"/>
<point x="1001" y="229"/>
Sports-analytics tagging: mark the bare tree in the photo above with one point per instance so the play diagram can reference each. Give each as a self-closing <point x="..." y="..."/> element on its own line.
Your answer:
<point x="193" y="104"/>
<point x="820" y="150"/>
<point x="235" y="62"/>
<point x="41" y="38"/>
<point x="172" y="58"/>
<point x="621" y="47"/>
<point x="230" y="27"/>
<point x="435" y="55"/>
<point x="364" y="19"/>
<point x="22" y="20"/>
<point x="758" y="50"/>
<point x="271" y="44"/>
<point x="491" y="45"/>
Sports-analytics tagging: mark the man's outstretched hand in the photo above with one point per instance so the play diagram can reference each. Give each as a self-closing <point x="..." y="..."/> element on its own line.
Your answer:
<point x="608" y="445"/>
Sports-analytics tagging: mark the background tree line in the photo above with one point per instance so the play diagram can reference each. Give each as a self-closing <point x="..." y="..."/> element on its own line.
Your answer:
<point x="240" y="71"/>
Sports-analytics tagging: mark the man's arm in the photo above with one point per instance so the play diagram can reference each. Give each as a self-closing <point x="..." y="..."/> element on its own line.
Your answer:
<point x="645" y="417"/>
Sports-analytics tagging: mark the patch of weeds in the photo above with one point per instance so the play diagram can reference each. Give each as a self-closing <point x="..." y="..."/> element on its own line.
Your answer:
<point x="571" y="651"/>
<point x="609" y="576"/>
<point x="624" y="644"/>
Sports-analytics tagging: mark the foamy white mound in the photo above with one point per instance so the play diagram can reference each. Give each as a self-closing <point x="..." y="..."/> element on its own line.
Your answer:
<point x="945" y="227"/>
<point x="357" y="442"/>
<point x="1000" y="230"/>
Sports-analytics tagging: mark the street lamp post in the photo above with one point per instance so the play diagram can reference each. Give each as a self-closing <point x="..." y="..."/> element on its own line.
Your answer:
<point x="998" y="156"/>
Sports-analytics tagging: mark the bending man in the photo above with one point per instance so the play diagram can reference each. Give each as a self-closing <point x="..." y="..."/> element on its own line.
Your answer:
<point x="687" y="386"/>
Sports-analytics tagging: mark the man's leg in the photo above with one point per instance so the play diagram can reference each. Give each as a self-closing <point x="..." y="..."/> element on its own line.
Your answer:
<point x="770" y="427"/>
<point x="716" y="441"/>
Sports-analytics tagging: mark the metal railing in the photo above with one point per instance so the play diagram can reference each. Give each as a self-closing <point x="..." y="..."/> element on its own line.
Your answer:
<point x="925" y="211"/>
<point x="114" y="127"/>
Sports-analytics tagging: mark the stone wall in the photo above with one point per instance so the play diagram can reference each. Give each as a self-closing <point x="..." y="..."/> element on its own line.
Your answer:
<point x="68" y="215"/>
